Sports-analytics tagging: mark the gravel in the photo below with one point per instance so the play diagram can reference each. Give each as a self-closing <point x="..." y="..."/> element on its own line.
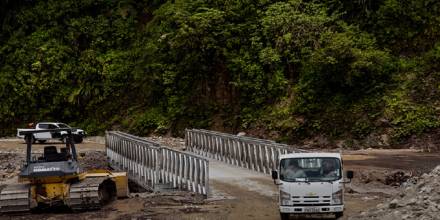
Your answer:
<point x="93" y="160"/>
<point x="420" y="199"/>
<point x="10" y="164"/>
<point x="175" y="143"/>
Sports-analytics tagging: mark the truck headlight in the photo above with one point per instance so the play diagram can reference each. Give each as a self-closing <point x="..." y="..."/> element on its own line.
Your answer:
<point x="337" y="197"/>
<point x="284" y="198"/>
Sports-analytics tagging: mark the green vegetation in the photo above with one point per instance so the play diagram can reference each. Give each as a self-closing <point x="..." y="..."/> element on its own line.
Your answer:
<point x="293" y="69"/>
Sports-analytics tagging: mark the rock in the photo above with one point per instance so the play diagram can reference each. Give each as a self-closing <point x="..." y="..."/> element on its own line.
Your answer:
<point x="411" y="202"/>
<point x="419" y="200"/>
<point x="397" y="178"/>
<point x="241" y="133"/>
<point x="393" y="204"/>
<point x="341" y="144"/>
<point x="320" y="141"/>
<point x="405" y="216"/>
<point x="371" y="141"/>
<point x="350" y="190"/>
<point x="380" y="206"/>
<point x="426" y="189"/>
<point x="384" y="121"/>
<point x="384" y="140"/>
<point x="367" y="198"/>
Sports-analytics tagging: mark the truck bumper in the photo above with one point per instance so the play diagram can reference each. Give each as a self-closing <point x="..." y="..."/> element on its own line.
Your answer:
<point x="311" y="209"/>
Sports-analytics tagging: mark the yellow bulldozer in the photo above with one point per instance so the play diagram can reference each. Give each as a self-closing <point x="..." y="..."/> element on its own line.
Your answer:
<point x="55" y="179"/>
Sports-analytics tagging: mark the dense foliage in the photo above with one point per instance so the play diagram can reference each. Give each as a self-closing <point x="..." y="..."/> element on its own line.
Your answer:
<point x="293" y="69"/>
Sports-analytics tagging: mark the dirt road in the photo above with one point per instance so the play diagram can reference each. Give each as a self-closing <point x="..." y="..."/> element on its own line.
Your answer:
<point x="251" y="195"/>
<point x="236" y="193"/>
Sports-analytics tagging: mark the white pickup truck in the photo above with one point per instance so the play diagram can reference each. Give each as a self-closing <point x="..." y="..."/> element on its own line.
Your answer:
<point x="78" y="134"/>
<point x="311" y="183"/>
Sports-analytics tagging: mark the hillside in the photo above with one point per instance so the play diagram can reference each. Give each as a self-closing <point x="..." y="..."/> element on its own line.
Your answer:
<point x="365" y="72"/>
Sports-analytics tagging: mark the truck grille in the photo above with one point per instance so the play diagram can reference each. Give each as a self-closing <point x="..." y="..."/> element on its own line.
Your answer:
<point x="310" y="200"/>
<point x="315" y="204"/>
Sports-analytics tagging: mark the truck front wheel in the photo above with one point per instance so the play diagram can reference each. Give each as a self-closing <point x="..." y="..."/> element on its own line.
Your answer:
<point x="339" y="215"/>
<point x="284" y="216"/>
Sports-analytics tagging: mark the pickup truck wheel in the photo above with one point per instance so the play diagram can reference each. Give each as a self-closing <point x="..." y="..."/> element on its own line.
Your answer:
<point x="64" y="139"/>
<point x="284" y="216"/>
<point x="78" y="139"/>
<point x="33" y="140"/>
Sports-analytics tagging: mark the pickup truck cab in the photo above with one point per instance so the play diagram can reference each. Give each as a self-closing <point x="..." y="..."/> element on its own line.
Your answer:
<point x="311" y="183"/>
<point x="78" y="134"/>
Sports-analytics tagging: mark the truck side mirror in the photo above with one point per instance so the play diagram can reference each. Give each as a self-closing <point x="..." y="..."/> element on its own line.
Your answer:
<point x="274" y="175"/>
<point x="349" y="174"/>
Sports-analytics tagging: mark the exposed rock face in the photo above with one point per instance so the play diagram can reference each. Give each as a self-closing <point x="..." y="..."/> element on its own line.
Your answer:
<point x="419" y="200"/>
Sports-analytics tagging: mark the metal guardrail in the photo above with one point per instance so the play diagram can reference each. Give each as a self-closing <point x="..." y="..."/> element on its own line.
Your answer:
<point x="255" y="154"/>
<point x="154" y="166"/>
<point x="184" y="170"/>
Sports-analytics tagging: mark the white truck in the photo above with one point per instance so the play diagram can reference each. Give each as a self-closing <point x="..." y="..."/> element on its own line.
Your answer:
<point x="78" y="134"/>
<point x="311" y="183"/>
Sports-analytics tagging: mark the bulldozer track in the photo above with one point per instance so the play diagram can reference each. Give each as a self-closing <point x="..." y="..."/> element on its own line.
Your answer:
<point x="15" y="198"/>
<point x="86" y="195"/>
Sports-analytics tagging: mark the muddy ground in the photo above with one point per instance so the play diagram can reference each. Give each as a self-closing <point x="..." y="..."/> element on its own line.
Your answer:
<point x="235" y="193"/>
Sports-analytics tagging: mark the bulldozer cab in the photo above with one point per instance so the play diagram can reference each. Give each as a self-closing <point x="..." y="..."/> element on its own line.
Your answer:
<point x="53" y="161"/>
<point x="50" y="151"/>
<point x="51" y="154"/>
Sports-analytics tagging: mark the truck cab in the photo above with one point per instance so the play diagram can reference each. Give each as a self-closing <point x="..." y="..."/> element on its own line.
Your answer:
<point x="310" y="183"/>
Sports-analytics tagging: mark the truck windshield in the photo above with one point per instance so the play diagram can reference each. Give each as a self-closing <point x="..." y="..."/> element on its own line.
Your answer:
<point x="310" y="169"/>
